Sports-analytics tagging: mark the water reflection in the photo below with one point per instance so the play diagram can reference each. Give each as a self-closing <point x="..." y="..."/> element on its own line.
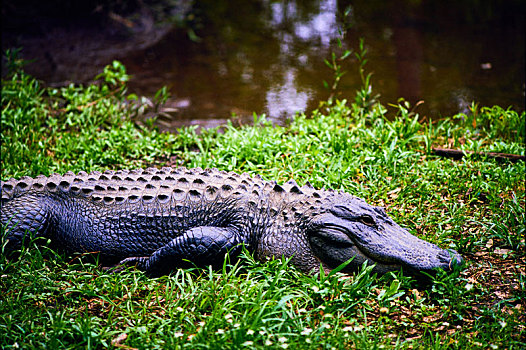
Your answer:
<point x="269" y="62"/>
<point x="407" y="39"/>
<point x="268" y="57"/>
<point x="287" y="97"/>
<point x="284" y="100"/>
<point x="320" y="26"/>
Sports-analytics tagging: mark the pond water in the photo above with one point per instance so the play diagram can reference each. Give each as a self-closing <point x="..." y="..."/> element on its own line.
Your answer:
<point x="268" y="57"/>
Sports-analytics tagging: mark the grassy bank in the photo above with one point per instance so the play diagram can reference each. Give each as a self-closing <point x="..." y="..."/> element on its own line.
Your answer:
<point x="474" y="205"/>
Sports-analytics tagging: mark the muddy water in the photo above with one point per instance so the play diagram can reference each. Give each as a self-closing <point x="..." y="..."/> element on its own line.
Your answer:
<point x="268" y="57"/>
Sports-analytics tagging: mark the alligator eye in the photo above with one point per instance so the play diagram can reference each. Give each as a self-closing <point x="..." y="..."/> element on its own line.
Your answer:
<point x="367" y="220"/>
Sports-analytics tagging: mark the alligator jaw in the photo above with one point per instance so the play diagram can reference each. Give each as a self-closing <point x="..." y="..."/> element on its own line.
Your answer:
<point x="387" y="245"/>
<point x="400" y="248"/>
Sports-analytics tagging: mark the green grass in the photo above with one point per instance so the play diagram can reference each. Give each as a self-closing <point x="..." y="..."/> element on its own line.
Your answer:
<point x="46" y="130"/>
<point x="474" y="205"/>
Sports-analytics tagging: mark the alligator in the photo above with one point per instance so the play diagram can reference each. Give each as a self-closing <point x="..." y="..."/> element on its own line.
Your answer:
<point x="162" y="219"/>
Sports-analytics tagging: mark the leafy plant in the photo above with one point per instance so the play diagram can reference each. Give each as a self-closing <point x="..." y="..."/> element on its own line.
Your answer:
<point x="75" y="127"/>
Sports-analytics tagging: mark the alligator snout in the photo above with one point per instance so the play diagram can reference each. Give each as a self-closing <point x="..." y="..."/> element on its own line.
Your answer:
<point x="449" y="259"/>
<point x="342" y="235"/>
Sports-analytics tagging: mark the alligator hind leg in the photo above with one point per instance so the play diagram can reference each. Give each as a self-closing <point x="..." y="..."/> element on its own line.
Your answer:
<point x="203" y="245"/>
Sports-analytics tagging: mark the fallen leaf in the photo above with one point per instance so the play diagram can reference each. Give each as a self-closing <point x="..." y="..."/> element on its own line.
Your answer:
<point x="489" y="244"/>
<point x="501" y="251"/>
<point x="117" y="342"/>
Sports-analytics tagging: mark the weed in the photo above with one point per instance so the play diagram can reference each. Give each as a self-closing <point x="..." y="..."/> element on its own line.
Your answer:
<point x="76" y="128"/>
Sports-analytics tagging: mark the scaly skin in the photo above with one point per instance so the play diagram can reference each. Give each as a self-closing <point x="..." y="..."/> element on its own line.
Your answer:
<point x="157" y="219"/>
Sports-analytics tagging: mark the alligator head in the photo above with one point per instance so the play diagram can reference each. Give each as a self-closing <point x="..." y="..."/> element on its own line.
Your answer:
<point x="351" y="228"/>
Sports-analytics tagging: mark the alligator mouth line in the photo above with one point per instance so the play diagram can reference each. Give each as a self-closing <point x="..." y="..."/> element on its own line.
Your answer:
<point x="345" y="241"/>
<point x="386" y="263"/>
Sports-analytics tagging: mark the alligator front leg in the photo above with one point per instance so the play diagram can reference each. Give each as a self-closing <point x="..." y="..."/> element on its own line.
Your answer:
<point x="203" y="245"/>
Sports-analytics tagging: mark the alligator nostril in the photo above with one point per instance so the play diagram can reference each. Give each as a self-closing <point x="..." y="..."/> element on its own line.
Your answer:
<point x="453" y="258"/>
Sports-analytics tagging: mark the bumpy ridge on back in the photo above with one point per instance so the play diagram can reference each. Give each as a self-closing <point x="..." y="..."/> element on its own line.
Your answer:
<point x="148" y="184"/>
